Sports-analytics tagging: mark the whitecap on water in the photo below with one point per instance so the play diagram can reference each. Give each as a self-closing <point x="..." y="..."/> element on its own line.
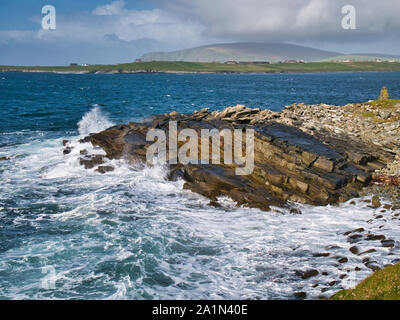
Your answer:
<point x="93" y="121"/>
<point x="133" y="234"/>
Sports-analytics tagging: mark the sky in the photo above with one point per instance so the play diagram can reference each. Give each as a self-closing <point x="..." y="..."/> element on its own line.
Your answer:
<point x="107" y="31"/>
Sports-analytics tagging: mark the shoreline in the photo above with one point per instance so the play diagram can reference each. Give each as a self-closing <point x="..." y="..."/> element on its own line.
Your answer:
<point x="355" y="132"/>
<point x="210" y="68"/>
<point x="114" y="72"/>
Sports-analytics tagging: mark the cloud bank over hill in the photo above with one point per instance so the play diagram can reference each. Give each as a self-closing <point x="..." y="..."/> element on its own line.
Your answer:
<point x="117" y="31"/>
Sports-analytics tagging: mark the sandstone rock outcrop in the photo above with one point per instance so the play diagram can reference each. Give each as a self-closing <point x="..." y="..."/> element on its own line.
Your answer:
<point x="306" y="154"/>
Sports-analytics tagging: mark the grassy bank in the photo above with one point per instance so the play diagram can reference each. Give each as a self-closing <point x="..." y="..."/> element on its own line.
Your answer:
<point x="382" y="285"/>
<point x="217" y="67"/>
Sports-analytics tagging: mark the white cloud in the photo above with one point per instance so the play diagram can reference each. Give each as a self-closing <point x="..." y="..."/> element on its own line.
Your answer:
<point x="184" y="23"/>
<point x="115" y="19"/>
<point x="289" y="20"/>
<point x="113" y="8"/>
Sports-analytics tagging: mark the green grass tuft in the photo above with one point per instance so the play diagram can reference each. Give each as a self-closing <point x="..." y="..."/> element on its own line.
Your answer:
<point x="382" y="285"/>
<point x="385" y="104"/>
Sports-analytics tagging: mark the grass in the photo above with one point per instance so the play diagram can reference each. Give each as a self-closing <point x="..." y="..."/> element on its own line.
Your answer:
<point x="382" y="285"/>
<point x="378" y="104"/>
<point x="385" y="104"/>
<point x="176" y="66"/>
<point x="367" y="114"/>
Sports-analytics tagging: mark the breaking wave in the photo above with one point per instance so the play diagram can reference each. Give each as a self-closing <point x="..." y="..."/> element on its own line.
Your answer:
<point x="132" y="234"/>
<point x="94" y="121"/>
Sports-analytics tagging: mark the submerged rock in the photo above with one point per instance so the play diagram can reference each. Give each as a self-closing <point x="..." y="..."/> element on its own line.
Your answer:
<point x="92" y="161"/>
<point x="388" y="243"/>
<point x="300" y="295"/>
<point x="104" y="169"/>
<point x="67" y="150"/>
<point x="308" y="274"/>
<point x="4" y="158"/>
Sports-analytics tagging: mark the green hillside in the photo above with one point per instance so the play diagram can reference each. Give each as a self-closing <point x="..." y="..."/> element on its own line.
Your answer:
<point x="272" y="52"/>
<point x="181" y="67"/>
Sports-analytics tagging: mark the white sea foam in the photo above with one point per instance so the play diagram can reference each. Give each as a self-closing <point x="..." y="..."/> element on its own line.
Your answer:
<point x="131" y="234"/>
<point x="93" y="121"/>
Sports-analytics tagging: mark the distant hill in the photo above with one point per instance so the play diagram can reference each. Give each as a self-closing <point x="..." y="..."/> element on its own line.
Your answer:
<point x="380" y="55"/>
<point x="272" y="52"/>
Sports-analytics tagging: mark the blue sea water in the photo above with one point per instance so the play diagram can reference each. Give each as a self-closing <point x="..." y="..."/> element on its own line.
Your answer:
<point x="71" y="233"/>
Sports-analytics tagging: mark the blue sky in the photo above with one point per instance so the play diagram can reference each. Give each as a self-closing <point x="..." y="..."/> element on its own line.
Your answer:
<point x="17" y="14"/>
<point x="115" y="31"/>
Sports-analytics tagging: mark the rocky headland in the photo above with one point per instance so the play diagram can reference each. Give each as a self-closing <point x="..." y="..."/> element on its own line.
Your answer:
<point x="312" y="154"/>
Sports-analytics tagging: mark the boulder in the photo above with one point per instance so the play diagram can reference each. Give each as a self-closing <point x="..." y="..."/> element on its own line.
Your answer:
<point x="91" y="161"/>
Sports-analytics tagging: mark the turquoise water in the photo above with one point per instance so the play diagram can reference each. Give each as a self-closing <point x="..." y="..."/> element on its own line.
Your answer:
<point x="71" y="233"/>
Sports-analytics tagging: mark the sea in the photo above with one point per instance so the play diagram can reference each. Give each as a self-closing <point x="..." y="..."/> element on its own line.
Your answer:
<point x="71" y="233"/>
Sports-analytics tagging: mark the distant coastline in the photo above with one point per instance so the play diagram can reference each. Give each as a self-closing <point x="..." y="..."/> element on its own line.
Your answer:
<point x="207" y="68"/>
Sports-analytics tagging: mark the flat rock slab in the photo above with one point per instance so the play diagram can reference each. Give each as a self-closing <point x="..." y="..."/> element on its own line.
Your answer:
<point x="289" y="164"/>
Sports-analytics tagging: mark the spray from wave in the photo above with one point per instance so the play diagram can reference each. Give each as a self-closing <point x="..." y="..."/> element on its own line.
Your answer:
<point x="93" y="121"/>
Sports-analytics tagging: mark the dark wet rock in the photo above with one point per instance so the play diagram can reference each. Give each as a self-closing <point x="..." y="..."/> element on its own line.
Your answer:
<point x="290" y="164"/>
<point x="92" y="161"/>
<point x="65" y="142"/>
<point x="388" y="243"/>
<point x="307" y="274"/>
<point x="84" y="152"/>
<point x="322" y="254"/>
<point x="359" y="230"/>
<point x="332" y="283"/>
<point x="373" y="266"/>
<point x="366" y="260"/>
<point x="367" y="252"/>
<point x="343" y="276"/>
<point x="295" y="211"/>
<point x="357" y="269"/>
<point x="325" y="273"/>
<point x="387" y="206"/>
<point x="373" y="237"/>
<point x="4" y="158"/>
<point x="214" y="204"/>
<point x="379" y="217"/>
<point x="355" y="250"/>
<point x="105" y="169"/>
<point x="343" y="260"/>
<point x="300" y="295"/>
<point x="67" y="150"/>
<point x="354" y="238"/>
